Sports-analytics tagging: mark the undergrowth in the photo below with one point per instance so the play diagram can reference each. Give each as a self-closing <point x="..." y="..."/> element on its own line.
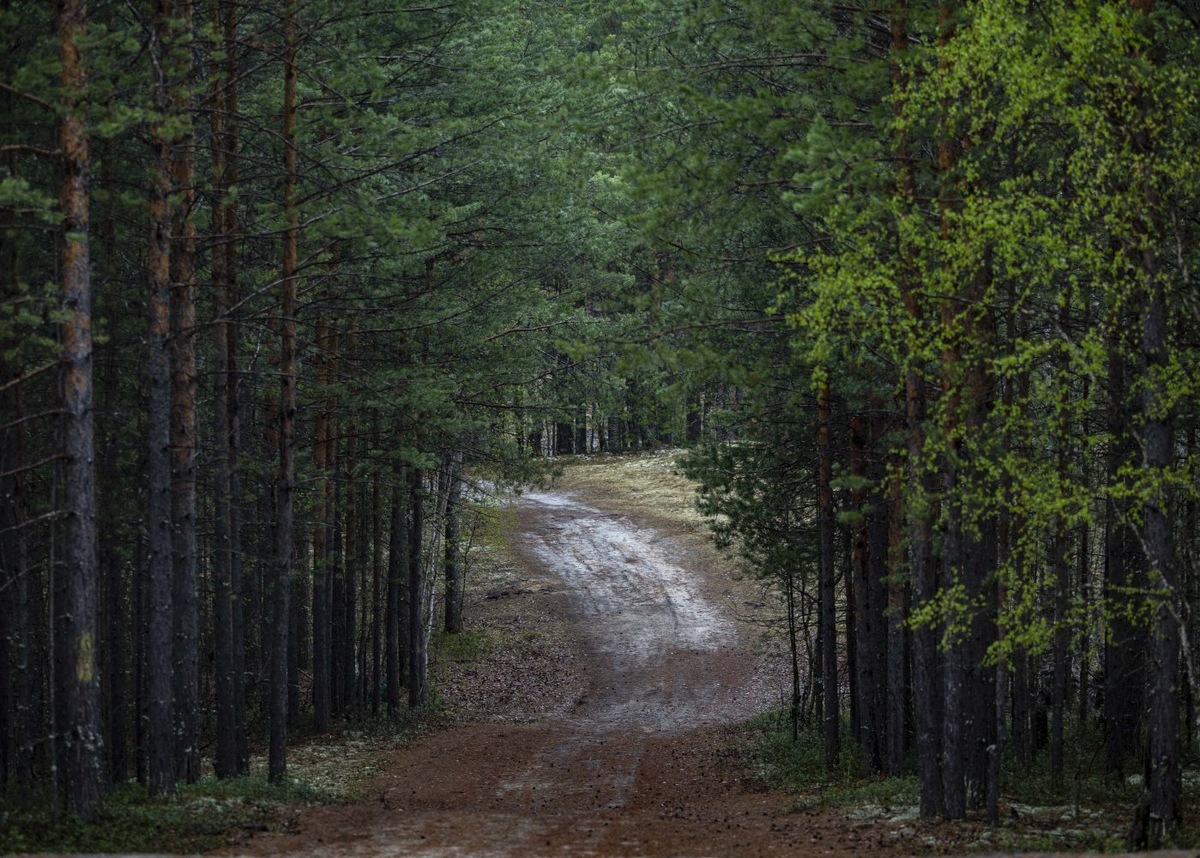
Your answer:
<point x="200" y="816"/>
<point x="211" y="813"/>
<point x="461" y="648"/>
<point x="1081" y="811"/>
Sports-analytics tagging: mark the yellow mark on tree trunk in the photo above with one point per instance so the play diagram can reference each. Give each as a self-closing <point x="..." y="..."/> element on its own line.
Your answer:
<point x="85" y="668"/>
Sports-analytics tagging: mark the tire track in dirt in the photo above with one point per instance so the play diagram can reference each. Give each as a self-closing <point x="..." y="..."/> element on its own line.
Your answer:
<point x="643" y="616"/>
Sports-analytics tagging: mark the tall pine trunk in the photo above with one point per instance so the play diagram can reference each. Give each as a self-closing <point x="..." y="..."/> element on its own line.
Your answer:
<point x="926" y="686"/>
<point x="863" y="678"/>
<point x="1158" y="453"/>
<point x="323" y="530"/>
<point x="828" y="577"/>
<point x="454" y="570"/>
<point x="376" y="576"/>
<point x="897" y="662"/>
<point x="416" y="588"/>
<point x="160" y="586"/>
<point x="185" y="598"/>
<point x="231" y="431"/>
<point x="285" y="486"/>
<point x="397" y="581"/>
<point x="76" y="649"/>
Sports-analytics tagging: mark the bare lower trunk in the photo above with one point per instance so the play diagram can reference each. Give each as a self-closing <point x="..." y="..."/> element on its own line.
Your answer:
<point x="416" y="587"/>
<point x="828" y="576"/>
<point x="377" y="580"/>
<point x="454" y="570"/>
<point x="897" y="664"/>
<point x="396" y="583"/>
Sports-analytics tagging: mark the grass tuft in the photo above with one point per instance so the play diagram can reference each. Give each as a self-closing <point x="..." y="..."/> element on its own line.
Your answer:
<point x="1081" y="811"/>
<point x="463" y="648"/>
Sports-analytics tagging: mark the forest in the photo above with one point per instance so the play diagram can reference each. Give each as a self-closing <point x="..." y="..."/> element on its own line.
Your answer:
<point x="287" y="288"/>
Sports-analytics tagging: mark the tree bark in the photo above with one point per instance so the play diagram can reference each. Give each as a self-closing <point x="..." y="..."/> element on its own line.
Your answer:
<point x="225" y="763"/>
<point x="864" y="678"/>
<point x="897" y="664"/>
<point x="160" y="737"/>
<point x="185" y="598"/>
<point x="285" y="486"/>
<point x="397" y="581"/>
<point x="80" y="679"/>
<point x="454" y="571"/>
<point x="376" y="578"/>
<point x="322" y="552"/>
<point x="349" y="568"/>
<point x="1158" y="443"/>
<point x="954" y="661"/>
<point x="877" y="580"/>
<point x="19" y="723"/>
<point x="230" y="431"/>
<point x="926" y="687"/>
<point x="828" y="577"/>
<point x="416" y="584"/>
<point x="225" y="759"/>
<point x="1125" y="643"/>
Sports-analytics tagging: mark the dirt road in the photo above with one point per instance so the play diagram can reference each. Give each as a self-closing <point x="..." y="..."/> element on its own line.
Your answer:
<point x="618" y="741"/>
<point x="633" y="767"/>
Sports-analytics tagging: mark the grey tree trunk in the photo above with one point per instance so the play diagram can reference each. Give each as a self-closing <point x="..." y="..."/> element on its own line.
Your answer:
<point x="377" y="580"/>
<point x="416" y="626"/>
<point x="454" y="570"/>
<point x="828" y="577"/>
<point x="396" y="583"/>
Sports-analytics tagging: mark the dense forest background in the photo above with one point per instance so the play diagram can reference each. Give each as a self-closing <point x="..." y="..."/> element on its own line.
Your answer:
<point x="913" y="280"/>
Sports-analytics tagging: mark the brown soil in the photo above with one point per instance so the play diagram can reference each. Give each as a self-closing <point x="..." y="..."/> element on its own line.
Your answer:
<point x="603" y="723"/>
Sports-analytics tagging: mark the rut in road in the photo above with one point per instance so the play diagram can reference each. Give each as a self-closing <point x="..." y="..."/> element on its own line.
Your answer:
<point x="651" y="632"/>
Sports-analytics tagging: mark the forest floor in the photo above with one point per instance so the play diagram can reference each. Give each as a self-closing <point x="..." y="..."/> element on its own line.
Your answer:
<point x="595" y="704"/>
